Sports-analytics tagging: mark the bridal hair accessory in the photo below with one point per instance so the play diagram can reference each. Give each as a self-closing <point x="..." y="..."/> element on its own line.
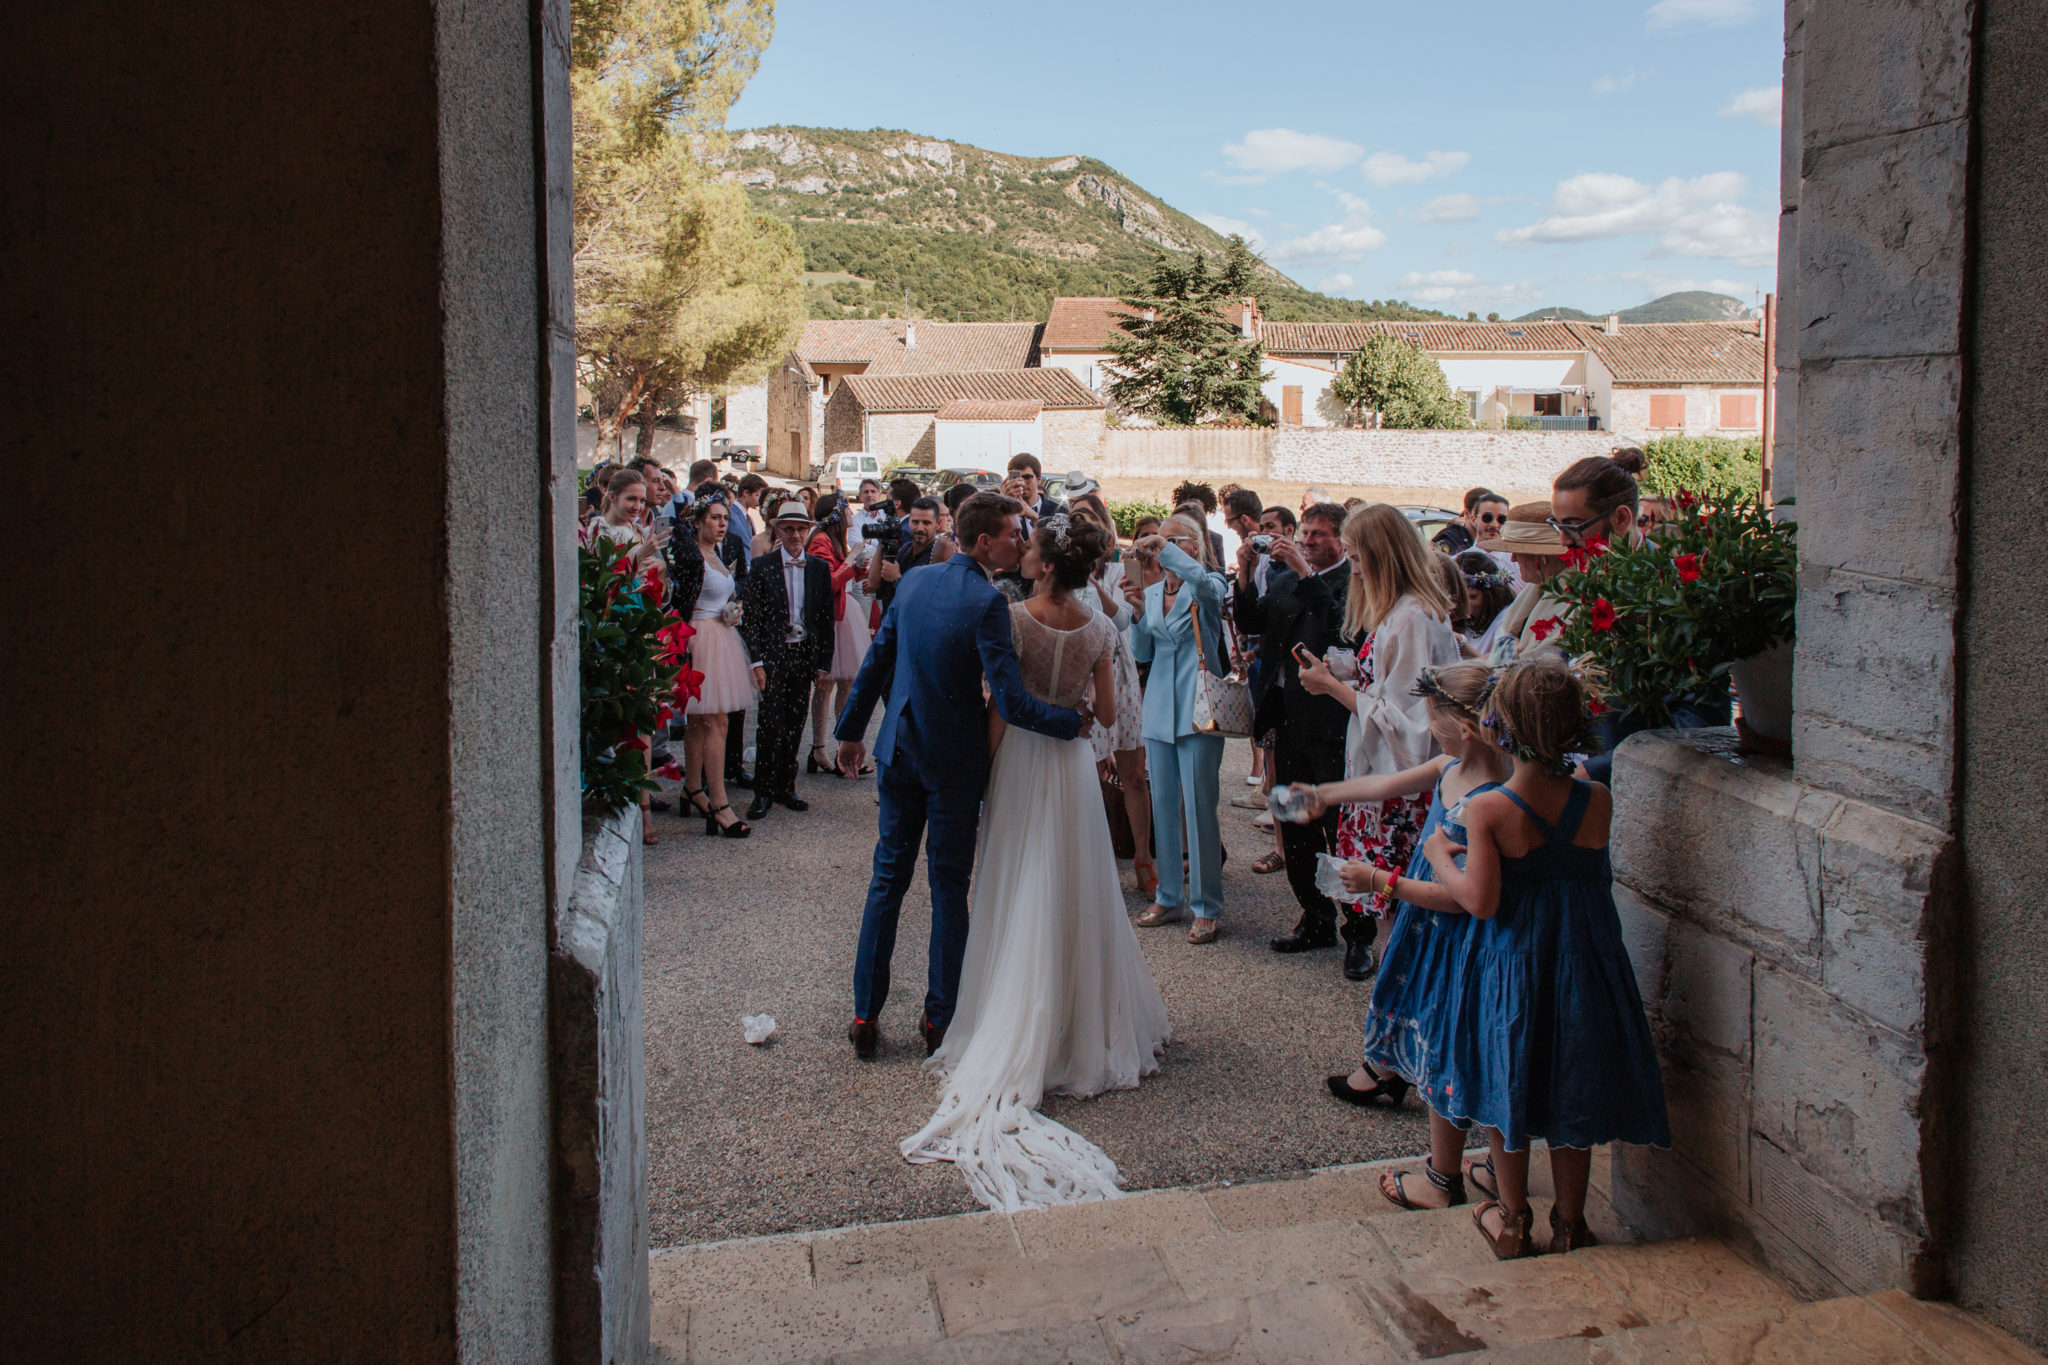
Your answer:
<point x="1057" y="524"/>
<point x="1429" y="688"/>
<point x="1486" y="579"/>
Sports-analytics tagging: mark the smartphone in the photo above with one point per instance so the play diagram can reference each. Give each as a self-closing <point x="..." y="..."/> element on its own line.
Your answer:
<point x="1305" y="656"/>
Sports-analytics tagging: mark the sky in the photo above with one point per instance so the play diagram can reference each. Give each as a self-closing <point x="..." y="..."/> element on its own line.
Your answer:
<point x="1466" y="155"/>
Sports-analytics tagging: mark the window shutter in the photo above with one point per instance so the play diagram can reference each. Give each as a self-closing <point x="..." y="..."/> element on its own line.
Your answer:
<point x="1667" y="410"/>
<point x="1739" y="411"/>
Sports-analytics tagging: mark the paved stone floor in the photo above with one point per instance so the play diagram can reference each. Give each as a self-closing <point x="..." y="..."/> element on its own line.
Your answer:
<point x="798" y="1135"/>
<point x="1311" y="1269"/>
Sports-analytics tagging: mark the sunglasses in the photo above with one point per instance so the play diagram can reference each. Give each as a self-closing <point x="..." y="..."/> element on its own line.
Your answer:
<point x="1493" y="518"/>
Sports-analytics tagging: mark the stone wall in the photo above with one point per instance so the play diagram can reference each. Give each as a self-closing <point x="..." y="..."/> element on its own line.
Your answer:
<point x="892" y="437"/>
<point x="746" y="415"/>
<point x="1779" y="936"/>
<point x="1073" y="440"/>
<point x="1176" y="454"/>
<point x="600" y="1101"/>
<point x="1629" y="409"/>
<point x="794" y="419"/>
<point x="1518" y="463"/>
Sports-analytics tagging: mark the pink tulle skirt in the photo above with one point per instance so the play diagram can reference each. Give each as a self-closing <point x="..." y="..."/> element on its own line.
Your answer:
<point x="721" y="656"/>
<point x="850" y="639"/>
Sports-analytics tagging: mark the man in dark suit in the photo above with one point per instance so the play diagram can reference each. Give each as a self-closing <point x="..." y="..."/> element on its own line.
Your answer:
<point x="1303" y="605"/>
<point x="788" y="630"/>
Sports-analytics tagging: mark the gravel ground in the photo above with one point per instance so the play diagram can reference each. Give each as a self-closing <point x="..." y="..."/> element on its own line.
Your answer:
<point x="799" y="1134"/>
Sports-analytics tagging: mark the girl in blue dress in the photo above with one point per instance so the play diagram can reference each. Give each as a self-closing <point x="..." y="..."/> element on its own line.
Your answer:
<point x="1546" y="1036"/>
<point x="1429" y="926"/>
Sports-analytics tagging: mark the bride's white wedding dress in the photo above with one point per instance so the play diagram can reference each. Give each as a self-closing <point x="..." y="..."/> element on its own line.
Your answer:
<point x="1054" y="993"/>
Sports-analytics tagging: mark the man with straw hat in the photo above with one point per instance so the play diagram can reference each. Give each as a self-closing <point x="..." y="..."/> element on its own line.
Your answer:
<point x="1538" y="552"/>
<point x="787" y="626"/>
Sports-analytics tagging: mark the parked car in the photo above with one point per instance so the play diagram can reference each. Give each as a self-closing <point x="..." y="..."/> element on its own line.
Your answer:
<point x="1427" y="521"/>
<point x="984" y="480"/>
<point x="925" y="479"/>
<point x="844" y="471"/>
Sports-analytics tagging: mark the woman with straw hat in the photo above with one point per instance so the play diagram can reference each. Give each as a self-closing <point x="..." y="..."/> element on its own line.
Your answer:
<point x="1538" y="552"/>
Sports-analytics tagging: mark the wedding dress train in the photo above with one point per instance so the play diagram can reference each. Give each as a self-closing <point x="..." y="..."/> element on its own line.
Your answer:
<point x="1055" y="996"/>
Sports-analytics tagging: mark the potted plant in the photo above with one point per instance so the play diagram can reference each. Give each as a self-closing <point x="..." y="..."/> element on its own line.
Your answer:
<point x="1707" y="598"/>
<point x="632" y="664"/>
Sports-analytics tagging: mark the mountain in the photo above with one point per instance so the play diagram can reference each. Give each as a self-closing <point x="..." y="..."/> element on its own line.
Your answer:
<point x="1691" y="305"/>
<point x="892" y="223"/>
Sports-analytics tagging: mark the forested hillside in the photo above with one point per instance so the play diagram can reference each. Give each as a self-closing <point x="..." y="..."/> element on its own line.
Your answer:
<point x="890" y="222"/>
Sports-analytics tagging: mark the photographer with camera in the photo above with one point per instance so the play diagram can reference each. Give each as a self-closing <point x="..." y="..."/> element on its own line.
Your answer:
<point x="910" y="542"/>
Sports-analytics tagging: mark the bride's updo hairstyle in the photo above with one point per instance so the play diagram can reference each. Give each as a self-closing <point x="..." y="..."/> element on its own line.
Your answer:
<point x="1069" y="548"/>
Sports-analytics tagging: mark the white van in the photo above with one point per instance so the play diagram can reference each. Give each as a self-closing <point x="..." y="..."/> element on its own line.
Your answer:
<point x="845" y="471"/>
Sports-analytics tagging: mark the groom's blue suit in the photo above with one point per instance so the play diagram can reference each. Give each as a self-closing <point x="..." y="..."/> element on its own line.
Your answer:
<point x="949" y="628"/>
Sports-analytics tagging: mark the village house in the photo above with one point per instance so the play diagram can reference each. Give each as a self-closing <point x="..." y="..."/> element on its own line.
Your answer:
<point x="974" y="420"/>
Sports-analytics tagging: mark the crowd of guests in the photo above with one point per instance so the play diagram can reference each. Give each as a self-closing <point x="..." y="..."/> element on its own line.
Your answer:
<point x="1390" y="683"/>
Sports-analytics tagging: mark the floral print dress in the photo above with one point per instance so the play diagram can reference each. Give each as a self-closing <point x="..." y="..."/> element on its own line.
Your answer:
<point x="1382" y="833"/>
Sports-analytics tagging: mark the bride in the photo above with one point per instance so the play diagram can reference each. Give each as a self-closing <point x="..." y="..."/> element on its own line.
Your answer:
<point x="1054" y="995"/>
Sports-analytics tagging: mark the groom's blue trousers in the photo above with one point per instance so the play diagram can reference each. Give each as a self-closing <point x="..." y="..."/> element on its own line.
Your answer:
<point x="917" y="809"/>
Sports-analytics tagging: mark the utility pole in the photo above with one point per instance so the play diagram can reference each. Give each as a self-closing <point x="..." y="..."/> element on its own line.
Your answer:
<point x="1770" y="335"/>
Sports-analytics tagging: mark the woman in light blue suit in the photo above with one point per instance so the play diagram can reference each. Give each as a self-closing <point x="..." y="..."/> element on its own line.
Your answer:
<point x="1183" y="762"/>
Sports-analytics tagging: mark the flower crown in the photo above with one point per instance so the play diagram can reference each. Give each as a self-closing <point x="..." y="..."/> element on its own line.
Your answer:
<point x="1587" y="741"/>
<point x="1430" y="688"/>
<point x="1486" y="579"/>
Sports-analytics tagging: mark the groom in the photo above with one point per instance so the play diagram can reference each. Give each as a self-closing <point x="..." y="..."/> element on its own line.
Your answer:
<point x="951" y="628"/>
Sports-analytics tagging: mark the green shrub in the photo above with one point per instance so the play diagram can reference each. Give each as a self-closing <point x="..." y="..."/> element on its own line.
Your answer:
<point x="1518" y="423"/>
<point x="1127" y="513"/>
<point x="1715" y="467"/>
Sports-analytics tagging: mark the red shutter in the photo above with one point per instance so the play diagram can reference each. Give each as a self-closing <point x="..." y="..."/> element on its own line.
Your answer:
<point x="1739" y="411"/>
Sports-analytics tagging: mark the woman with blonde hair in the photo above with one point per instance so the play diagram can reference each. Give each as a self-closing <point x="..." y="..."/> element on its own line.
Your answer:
<point x="1398" y="607"/>
<point x="1179" y="631"/>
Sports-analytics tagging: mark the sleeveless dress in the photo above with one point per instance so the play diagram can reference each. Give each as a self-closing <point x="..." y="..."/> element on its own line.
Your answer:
<point x="1410" y="994"/>
<point x="1545" y="1036"/>
<point x="1054" y="993"/>
<point x="717" y="651"/>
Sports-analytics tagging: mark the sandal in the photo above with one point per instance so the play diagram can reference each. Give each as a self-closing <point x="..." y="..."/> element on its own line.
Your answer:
<point x="812" y="765"/>
<point x="1512" y="1242"/>
<point x="1490" y="1186"/>
<point x="1207" y="935"/>
<point x="1389" y="1087"/>
<point x="689" y="808"/>
<point x="1272" y="862"/>
<point x="1158" y="915"/>
<point x="1391" y="1190"/>
<point x="1569" y="1236"/>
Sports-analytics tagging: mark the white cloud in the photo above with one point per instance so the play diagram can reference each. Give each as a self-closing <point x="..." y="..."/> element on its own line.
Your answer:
<point x="1276" y="151"/>
<point x="1227" y="226"/>
<point x="1447" y="208"/>
<point x="1766" y="105"/>
<point x="1345" y="241"/>
<point x="1337" y="283"/>
<point x="1260" y="213"/>
<point x="1711" y="13"/>
<point x="1391" y="168"/>
<point x="1614" y="85"/>
<point x="1355" y="205"/>
<point x="1463" y="289"/>
<point x="1697" y="217"/>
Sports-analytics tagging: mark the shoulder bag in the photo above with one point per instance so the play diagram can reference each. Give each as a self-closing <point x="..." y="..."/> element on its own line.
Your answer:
<point x="1223" y="706"/>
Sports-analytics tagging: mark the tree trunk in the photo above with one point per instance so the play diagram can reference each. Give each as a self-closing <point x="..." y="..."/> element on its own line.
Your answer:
<point x="644" y="445"/>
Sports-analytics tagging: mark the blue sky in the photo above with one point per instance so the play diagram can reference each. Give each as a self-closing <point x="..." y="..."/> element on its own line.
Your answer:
<point x="1464" y="154"/>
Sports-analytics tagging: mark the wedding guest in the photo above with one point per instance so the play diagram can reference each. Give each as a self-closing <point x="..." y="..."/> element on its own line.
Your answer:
<point x="1314" y="495"/>
<point x="1204" y="499"/>
<point x="736" y="550"/>
<point x="1538" y="554"/>
<point x="1488" y="592"/>
<point x="1120" y="740"/>
<point x="1302" y="613"/>
<point x="1179" y="626"/>
<point x="748" y="495"/>
<point x="1596" y="501"/>
<point x="1397" y="609"/>
<point x="708" y="564"/>
<point x="919" y="546"/>
<point x="850" y="633"/>
<point x="1030" y="476"/>
<point x="788" y="627"/>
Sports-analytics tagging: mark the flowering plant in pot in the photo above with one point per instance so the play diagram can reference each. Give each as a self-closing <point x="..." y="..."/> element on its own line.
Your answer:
<point x="1668" y="619"/>
<point x="632" y="666"/>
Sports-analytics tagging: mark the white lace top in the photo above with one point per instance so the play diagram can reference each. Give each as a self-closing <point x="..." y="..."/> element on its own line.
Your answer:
<point x="1058" y="665"/>
<point x="716" y="592"/>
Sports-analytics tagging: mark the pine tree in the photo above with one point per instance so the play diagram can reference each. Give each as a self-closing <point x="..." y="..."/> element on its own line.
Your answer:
<point x="1400" y="382"/>
<point x="1182" y="359"/>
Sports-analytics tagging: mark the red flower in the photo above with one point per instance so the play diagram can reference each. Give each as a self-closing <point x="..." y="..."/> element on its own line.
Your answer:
<point x="1543" y="629"/>
<point x="1596" y="546"/>
<point x="634" y="742"/>
<point x="690" y="683"/>
<point x="1687" y="498"/>
<point x="1688" y="568"/>
<point x="1575" y="557"/>
<point x="1595" y="707"/>
<point x="624" y="566"/>
<point x="666" y="714"/>
<point x="1600" y="616"/>
<point x="672" y="771"/>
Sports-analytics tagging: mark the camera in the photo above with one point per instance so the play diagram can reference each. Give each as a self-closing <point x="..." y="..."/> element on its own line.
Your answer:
<point x="1263" y="544"/>
<point x="889" y="532"/>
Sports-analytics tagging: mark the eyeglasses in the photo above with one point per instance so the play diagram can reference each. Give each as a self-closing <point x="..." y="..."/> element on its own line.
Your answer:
<point x="1493" y="518"/>
<point x="1574" y="530"/>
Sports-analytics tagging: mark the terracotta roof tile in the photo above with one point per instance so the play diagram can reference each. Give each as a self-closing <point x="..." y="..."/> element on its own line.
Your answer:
<point x="990" y="410"/>
<point x="1053" y="388"/>
<point x="1083" y="324"/>
<point x="1679" y="352"/>
<point x="1342" y="338"/>
<point x="941" y="346"/>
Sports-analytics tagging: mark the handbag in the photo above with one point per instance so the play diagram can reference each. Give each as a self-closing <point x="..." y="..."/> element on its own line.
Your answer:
<point x="1223" y="706"/>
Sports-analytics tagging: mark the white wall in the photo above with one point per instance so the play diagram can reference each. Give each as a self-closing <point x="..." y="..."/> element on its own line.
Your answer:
<point x="1318" y="409"/>
<point x="1087" y="366"/>
<point x="986" y="445"/>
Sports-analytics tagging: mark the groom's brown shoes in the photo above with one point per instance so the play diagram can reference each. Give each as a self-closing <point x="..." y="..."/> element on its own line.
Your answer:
<point x="864" y="1036"/>
<point x="934" y="1034"/>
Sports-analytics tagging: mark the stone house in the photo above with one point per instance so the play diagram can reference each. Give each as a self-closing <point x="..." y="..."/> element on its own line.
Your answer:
<point x="897" y="417"/>
<point x="829" y="351"/>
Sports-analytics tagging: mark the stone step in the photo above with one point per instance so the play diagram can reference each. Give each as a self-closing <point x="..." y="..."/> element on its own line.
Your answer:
<point x="1314" y="1268"/>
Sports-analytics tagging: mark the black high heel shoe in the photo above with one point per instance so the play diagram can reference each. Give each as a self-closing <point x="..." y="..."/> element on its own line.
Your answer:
<point x="738" y="829"/>
<point x="812" y="765"/>
<point x="1391" y="1088"/>
<point x="688" y="806"/>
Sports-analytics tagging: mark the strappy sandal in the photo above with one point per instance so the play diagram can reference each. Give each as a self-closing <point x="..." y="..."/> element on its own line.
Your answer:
<point x="1569" y="1236"/>
<point x="1513" y="1242"/>
<point x="1490" y="1186"/>
<point x="1392" y="1191"/>
<point x="1272" y="862"/>
<point x="1158" y="915"/>
<point x="1207" y="935"/>
<point x="688" y="808"/>
<point x="1389" y="1087"/>
<point x="812" y="764"/>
